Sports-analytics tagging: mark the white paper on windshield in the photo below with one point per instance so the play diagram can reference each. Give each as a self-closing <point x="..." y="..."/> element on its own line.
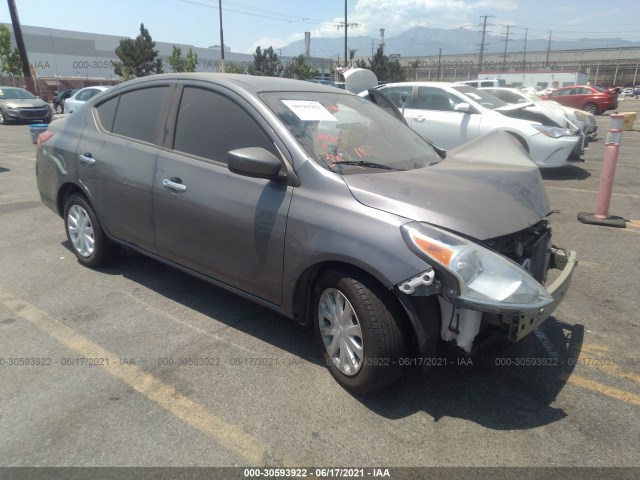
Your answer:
<point x="309" y="110"/>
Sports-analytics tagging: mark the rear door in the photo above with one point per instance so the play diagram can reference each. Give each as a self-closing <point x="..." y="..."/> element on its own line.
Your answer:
<point x="226" y="226"/>
<point x="117" y="158"/>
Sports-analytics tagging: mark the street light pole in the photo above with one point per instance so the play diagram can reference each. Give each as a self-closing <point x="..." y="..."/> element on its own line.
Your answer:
<point x="221" y="38"/>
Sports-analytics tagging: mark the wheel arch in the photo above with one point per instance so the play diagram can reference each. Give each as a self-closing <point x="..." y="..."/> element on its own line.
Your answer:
<point x="410" y="311"/>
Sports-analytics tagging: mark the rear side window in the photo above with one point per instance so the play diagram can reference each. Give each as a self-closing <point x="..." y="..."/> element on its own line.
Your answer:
<point x="139" y="112"/>
<point x="209" y="125"/>
<point x="107" y="112"/>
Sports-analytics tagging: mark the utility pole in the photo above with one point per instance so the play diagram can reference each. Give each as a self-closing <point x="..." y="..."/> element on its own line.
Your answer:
<point x="346" y="25"/>
<point x="17" y="32"/>
<point x="439" y="64"/>
<point x="506" y="40"/>
<point x="484" y="31"/>
<point x="546" y="62"/>
<point x="524" y="52"/>
<point x="221" y="38"/>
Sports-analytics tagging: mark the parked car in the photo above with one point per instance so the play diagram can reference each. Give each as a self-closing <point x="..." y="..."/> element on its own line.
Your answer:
<point x="487" y="82"/>
<point x="564" y="116"/>
<point x="19" y="105"/>
<point x="81" y="96"/>
<point x="59" y="99"/>
<point x="313" y="202"/>
<point x="627" y="92"/>
<point x="592" y="99"/>
<point x="451" y="115"/>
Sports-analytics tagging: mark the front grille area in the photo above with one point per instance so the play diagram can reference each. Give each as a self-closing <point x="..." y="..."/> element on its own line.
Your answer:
<point x="529" y="248"/>
<point x="36" y="112"/>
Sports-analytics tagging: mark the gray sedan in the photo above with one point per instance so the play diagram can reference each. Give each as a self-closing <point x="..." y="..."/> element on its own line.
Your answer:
<point x="313" y="202"/>
<point x="19" y="105"/>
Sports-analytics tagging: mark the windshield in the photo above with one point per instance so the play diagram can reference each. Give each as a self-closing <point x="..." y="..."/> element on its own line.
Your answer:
<point x="481" y="97"/>
<point x="14" y="93"/>
<point x="348" y="134"/>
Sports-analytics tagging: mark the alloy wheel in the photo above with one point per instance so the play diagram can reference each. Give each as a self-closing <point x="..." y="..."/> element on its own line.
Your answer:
<point x="80" y="231"/>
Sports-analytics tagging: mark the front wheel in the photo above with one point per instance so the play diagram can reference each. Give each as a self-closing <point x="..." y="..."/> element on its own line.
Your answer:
<point x="90" y="245"/>
<point x="59" y="108"/>
<point x="358" y="327"/>
<point x="591" y="108"/>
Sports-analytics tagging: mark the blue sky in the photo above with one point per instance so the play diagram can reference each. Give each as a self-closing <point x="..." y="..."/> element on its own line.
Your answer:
<point x="248" y="23"/>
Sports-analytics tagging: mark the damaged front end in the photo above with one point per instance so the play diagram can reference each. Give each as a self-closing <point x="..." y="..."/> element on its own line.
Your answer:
<point x="483" y="288"/>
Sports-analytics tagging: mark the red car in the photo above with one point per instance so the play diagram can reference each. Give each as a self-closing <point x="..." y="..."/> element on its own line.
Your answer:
<point x="594" y="100"/>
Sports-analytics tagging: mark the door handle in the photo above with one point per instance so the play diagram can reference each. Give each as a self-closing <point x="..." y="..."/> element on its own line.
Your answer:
<point x="174" y="184"/>
<point x="87" y="159"/>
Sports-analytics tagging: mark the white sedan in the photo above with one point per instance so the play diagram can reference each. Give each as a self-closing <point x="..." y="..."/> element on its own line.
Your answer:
<point x="585" y="121"/>
<point x="81" y="96"/>
<point x="450" y="115"/>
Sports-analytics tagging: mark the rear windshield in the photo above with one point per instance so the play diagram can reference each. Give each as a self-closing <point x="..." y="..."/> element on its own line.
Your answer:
<point x="348" y="134"/>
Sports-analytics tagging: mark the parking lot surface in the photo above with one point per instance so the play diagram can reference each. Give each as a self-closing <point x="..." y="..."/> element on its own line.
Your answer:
<point x="141" y="365"/>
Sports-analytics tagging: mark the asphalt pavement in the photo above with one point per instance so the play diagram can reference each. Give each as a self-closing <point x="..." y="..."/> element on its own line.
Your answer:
<point x="141" y="365"/>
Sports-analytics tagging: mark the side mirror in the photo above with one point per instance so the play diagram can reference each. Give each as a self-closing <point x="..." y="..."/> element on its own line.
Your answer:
<point x="254" y="162"/>
<point x="463" y="107"/>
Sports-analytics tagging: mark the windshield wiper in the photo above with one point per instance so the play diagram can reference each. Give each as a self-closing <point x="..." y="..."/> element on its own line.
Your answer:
<point x="364" y="163"/>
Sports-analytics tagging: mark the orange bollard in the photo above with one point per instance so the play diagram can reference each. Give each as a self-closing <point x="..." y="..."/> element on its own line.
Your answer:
<point x="609" y="162"/>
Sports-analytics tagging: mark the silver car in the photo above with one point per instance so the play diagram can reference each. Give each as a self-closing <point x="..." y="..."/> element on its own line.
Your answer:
<point x="313" y="202"/>
<point x="19" y="105"/>
<point x="72" y="103"/>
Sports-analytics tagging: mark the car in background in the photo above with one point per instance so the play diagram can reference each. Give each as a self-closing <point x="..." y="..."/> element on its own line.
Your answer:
<point x="592" y="99"/>
<point x="20" y="105"/>
<point x="452" y="114"/>
<point x="636" y="90"/>
<point x="583" y="121"/>
<point x="627" y="92"/>
<point x="59" y="99"/>
<point x="81" y="96"/>
<point x="315" y="203"/>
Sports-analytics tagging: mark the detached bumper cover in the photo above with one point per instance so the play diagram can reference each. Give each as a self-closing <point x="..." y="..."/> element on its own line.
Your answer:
<point x="521" y="326"/>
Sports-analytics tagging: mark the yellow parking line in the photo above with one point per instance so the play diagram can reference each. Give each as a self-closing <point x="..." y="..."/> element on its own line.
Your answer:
<point x="605" y="390"/>
<point x="596" y="356"/>
<point x="231" y="437"/>
<point x="590" y="191"/>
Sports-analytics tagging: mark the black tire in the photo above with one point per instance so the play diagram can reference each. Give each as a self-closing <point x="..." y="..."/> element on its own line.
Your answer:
<point x="3" y="119"/>
<point x="381" y="333"/>
<point x="82" y="224"/>
<point x="591" y="108"/>
<point x="60" y="108"/>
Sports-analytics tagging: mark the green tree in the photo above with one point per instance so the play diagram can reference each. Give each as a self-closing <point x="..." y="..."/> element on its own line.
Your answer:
<point x="265" y="63"/>
<point x="233" y="68"/>
<point x="386" y="70"/>
<point x="137" y="57"/>
<point x="191" y="61"/>
<point x="176" y="62"/>
<point x="9" y="58"/>
<point x="300" y="69"/>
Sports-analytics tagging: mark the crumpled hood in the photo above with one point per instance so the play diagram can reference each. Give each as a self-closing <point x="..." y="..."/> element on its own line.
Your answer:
<point x="483" y="189"/>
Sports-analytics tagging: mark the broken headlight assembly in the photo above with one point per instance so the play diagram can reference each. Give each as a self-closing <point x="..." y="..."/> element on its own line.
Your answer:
<point x="473" y="276"/>
<point x="552" y="132"/>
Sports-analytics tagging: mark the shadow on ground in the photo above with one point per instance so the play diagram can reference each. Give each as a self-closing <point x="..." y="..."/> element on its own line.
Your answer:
<point x="568" y="172"/>
<point x="506" y="387"/>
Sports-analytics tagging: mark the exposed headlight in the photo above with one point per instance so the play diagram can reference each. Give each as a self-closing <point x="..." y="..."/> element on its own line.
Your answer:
<point x="553" y="132"/>
<point x="473" y="275"/>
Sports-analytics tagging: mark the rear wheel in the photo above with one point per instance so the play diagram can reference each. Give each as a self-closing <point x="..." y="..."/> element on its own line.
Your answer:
<point x="357" y="326"/>
<point x="90" y="245"/>
<point x="60" y="108"/>
<point x="591" y="108"/>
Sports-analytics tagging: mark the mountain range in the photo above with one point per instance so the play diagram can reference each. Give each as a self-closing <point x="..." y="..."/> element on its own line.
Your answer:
<point x="422" y="41"/>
